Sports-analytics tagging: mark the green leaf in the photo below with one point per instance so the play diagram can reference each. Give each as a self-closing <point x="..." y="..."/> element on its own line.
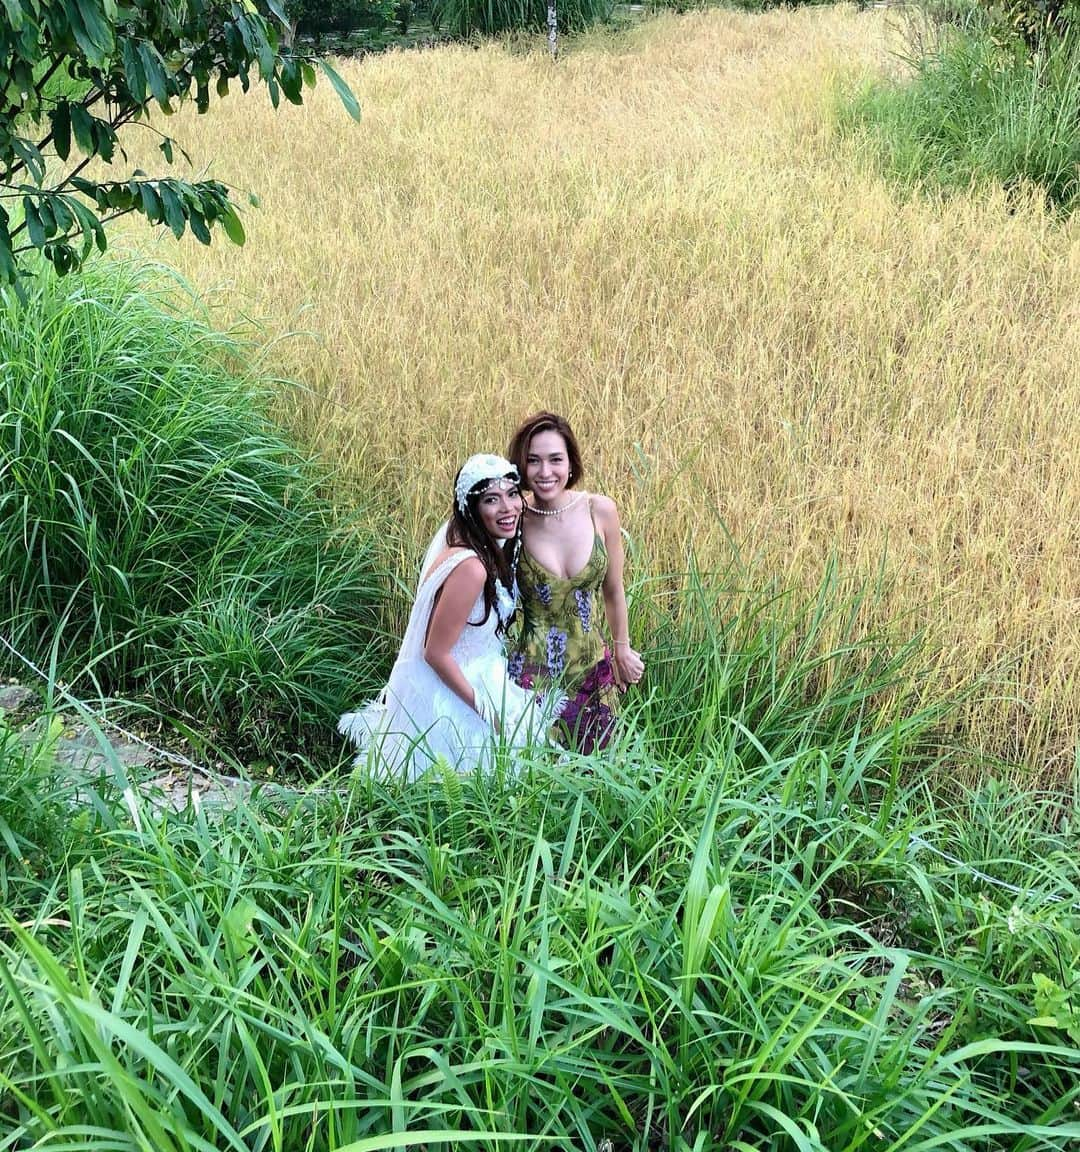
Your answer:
<point x="104" y="140"/>
<point x="345" y="94"/>
<point x="98" y="27"/>
<point x="60" y="119"/>
<point x="155" y="74"/>
<point x="263" y="50"/>
<point x="90" y="226"/>
<point x="15" y="14"/>
<point x="62" y="213"/>
<point x="48" y="220"/>
<point x="118" y="197"/>
<point x="151" y="203"/>
<point x="166" y="147"/>
<point x="174" y="210"/>
<point x="292" y="82"/>
<point x="92" y="35"/>
<point x="62" y="257"/>
<point x="134" y="73"/>
<point x="278" y="12"/>
<point x="234" y="229"/>
<point x="238" y="926"/>
<point x="31" y="156"/>
<point x="33" y="223"/>
<point x="82" y="125"/>
<point x="198" y="227"/>
<point x="7" y="262"/>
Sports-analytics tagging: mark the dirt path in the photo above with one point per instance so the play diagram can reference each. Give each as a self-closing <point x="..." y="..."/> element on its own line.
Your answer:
<point x="90" y="751"/>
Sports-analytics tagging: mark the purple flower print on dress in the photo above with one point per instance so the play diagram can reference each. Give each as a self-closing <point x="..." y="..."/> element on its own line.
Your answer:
<point x="599" y="731"/>
<point x="584" y="609"/>
<point x="556" y="652"/>
<point x="599" y="677"/>
<point x="515" y="666"/>
<point x="543" y="594"/>
<point x="586" y="722"/>
<point x="571" y="712"/>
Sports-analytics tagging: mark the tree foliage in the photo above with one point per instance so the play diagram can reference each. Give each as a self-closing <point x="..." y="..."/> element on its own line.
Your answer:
<point x="1038" y="20"/>
<point x="313" y="17"/>
<point x="491" y="17"/>
<point x="75" y="73"/>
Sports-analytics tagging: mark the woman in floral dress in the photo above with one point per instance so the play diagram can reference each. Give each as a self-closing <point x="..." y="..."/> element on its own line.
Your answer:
<point x="572" y="551"/>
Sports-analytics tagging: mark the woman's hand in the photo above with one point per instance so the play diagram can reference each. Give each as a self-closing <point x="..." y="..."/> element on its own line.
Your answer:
<point x="449" y="616"/>
<point x="627" y="665"/>
<point x="485" y="709"/>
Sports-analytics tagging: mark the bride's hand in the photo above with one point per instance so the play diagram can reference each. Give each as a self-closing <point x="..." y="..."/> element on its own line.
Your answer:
<point x="482" y="707"/>
<point x="627" y="665"/>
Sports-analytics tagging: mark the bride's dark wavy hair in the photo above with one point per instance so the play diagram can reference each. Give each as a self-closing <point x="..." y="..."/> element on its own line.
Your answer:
<point x="466" y="530"/>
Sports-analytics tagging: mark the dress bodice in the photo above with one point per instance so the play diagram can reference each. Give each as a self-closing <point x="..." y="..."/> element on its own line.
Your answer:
<point x="477" y="640"/>
<point x="480" y="638"/>
<point x="418" y="721"/>
<point x="547" y="597"/>
<point x="560" y="644"/>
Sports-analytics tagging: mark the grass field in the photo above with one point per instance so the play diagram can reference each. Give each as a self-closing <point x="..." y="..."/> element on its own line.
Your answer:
<point x="759" y="342"/>
<point x="763" y="941"/>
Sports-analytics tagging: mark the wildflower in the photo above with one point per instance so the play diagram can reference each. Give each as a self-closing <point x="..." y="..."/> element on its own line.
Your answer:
<point x="1016" y="920"/>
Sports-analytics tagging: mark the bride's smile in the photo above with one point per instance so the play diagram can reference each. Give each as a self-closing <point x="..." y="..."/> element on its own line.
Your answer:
<point x="500" y="510"/>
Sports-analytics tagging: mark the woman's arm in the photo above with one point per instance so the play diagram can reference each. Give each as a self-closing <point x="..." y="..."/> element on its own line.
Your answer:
<point x="451" y="612"/>
<point x="627" y="664"/>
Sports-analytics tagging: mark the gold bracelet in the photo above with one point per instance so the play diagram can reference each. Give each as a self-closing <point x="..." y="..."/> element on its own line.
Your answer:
<point x="621" y="643"/>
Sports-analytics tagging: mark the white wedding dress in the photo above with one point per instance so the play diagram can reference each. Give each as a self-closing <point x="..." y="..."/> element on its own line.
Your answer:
<point x="417" y="720"/>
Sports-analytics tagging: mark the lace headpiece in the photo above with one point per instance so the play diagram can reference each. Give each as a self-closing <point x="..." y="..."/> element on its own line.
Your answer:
<point x="476" y="470"/>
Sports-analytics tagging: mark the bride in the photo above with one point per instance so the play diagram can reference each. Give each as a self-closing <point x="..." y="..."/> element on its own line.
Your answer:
<point x="449" y="695"/>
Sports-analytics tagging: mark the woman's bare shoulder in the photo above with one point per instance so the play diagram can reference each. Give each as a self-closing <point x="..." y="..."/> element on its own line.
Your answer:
<point x="604" y="508"/>
<point x="473" y="565"/>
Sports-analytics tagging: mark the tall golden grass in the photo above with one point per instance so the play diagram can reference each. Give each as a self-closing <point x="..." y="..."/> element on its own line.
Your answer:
<point x="662" y="237"/>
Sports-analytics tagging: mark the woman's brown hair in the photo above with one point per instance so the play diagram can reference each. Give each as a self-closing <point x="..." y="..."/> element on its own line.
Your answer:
<point x="518" y="451"/>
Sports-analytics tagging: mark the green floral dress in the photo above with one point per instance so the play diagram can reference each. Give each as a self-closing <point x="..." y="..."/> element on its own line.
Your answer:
<point x="559" y="644"/>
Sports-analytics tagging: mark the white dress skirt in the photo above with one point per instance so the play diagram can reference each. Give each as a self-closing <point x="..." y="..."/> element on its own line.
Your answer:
<point x="417" y="720"/>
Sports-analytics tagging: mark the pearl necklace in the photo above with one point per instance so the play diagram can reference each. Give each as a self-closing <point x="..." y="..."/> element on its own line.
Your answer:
<point x="556" y="511"/>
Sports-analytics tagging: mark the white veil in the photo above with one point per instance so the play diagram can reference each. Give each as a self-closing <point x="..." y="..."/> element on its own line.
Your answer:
<point x="435" y="549"/>
<point x="412" y="644"/>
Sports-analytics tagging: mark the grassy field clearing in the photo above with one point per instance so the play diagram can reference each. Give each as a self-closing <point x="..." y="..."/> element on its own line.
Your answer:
<point x="758" y="948"/>
<point x="759" y="342"/>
